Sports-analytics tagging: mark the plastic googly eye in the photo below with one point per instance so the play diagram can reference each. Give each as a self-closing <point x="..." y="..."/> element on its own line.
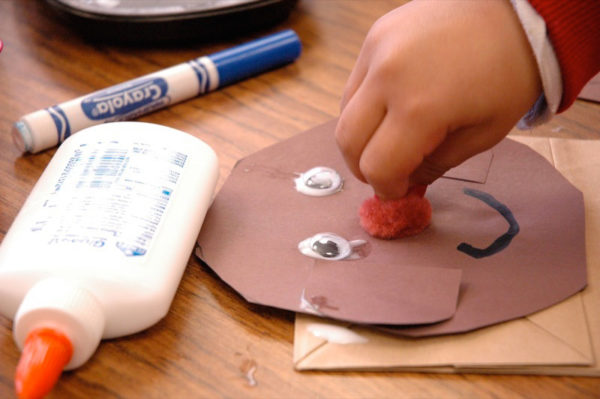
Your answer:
<point x="328" y="246"/>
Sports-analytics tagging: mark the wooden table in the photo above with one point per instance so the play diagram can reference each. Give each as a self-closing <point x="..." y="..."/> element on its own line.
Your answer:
<point x="211" y="338"/>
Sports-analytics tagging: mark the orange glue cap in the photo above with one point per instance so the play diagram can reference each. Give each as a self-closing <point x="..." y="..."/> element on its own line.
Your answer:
<point x="58" y="325"/>
<point x="45" y="353"/>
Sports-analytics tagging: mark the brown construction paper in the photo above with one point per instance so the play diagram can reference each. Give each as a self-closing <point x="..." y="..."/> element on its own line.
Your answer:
<point x="561" y="340"/>
<point x="369" y="294"/>
<point x="251" y="233"/>
<point x="591" y="91"/>
<point x="474" y="169"/>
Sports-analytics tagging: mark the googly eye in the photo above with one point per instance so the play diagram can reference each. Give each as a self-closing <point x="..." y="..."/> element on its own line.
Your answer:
<point x="329" y="246"/>
<point x="319" y="181"/>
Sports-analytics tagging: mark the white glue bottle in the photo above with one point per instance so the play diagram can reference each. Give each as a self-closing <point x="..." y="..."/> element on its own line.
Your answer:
<point x="99" y="247"/>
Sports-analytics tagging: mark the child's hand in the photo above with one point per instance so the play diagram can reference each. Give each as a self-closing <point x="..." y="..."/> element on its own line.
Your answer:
<point x="435" y="83"/>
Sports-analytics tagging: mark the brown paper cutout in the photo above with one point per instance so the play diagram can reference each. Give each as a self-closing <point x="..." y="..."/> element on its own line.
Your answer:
<point x="422" y="294"/>
<point x="474" y="169"/>
<point x="251" y="233"/>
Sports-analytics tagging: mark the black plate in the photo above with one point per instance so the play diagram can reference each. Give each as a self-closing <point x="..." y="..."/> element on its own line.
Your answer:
<point x="152" y="21"/>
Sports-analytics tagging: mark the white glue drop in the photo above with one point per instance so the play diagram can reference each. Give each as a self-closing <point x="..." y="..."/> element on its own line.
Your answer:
<point x="319" y="181"/>
<point x="336" y="334"/>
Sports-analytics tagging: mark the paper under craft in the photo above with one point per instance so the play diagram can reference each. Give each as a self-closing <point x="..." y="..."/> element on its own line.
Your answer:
<point x="417" y="286"/>
<point x="561" y="340"/>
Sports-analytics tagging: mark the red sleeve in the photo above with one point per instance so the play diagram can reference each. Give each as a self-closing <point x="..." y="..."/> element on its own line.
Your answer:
<point x="574" y="30"/>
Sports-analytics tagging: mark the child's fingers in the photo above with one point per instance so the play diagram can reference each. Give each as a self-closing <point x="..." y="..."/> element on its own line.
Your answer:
<point x="385" y="162"/>
<point x="357" y="76"/>
<point x="357" y="123"/>
<point x="402" y="140"/>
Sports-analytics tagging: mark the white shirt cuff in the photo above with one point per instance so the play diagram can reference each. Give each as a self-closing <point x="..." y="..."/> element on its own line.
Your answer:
<point x="535" y="29"/>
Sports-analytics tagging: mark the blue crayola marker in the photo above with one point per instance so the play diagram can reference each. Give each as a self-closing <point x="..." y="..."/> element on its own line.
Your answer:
<point x="46" y="128"/>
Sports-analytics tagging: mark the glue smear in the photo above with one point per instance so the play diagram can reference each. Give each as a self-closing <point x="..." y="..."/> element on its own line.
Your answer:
<point x="100" y="245"/>
<point x="336" y="334"/>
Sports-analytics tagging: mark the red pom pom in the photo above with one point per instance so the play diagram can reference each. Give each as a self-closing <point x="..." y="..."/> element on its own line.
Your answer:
<point x="399" y="218"/>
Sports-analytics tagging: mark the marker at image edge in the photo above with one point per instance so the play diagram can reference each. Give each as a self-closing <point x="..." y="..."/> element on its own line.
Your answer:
<point x="46" y="128"/>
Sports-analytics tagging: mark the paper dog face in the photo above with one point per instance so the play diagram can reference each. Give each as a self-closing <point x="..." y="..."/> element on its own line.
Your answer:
<point x="506" y="240"/>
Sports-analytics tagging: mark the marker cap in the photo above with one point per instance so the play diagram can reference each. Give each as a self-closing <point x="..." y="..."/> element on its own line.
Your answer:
<point x="257" y="56"/>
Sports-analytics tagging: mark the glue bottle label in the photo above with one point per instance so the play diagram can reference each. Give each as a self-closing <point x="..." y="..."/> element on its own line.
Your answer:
<point x="110" y="195"/>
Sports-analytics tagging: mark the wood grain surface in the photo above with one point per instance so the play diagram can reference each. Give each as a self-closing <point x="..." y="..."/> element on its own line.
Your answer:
<point x="213" y="344"/>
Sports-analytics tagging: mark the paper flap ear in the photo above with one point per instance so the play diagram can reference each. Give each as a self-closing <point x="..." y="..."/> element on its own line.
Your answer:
<point x="474" y="169"/>
<point x="379" y="293"/>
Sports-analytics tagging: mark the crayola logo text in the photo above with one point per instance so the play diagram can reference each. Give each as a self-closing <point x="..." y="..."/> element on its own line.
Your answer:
<point x="124" y="99"/>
